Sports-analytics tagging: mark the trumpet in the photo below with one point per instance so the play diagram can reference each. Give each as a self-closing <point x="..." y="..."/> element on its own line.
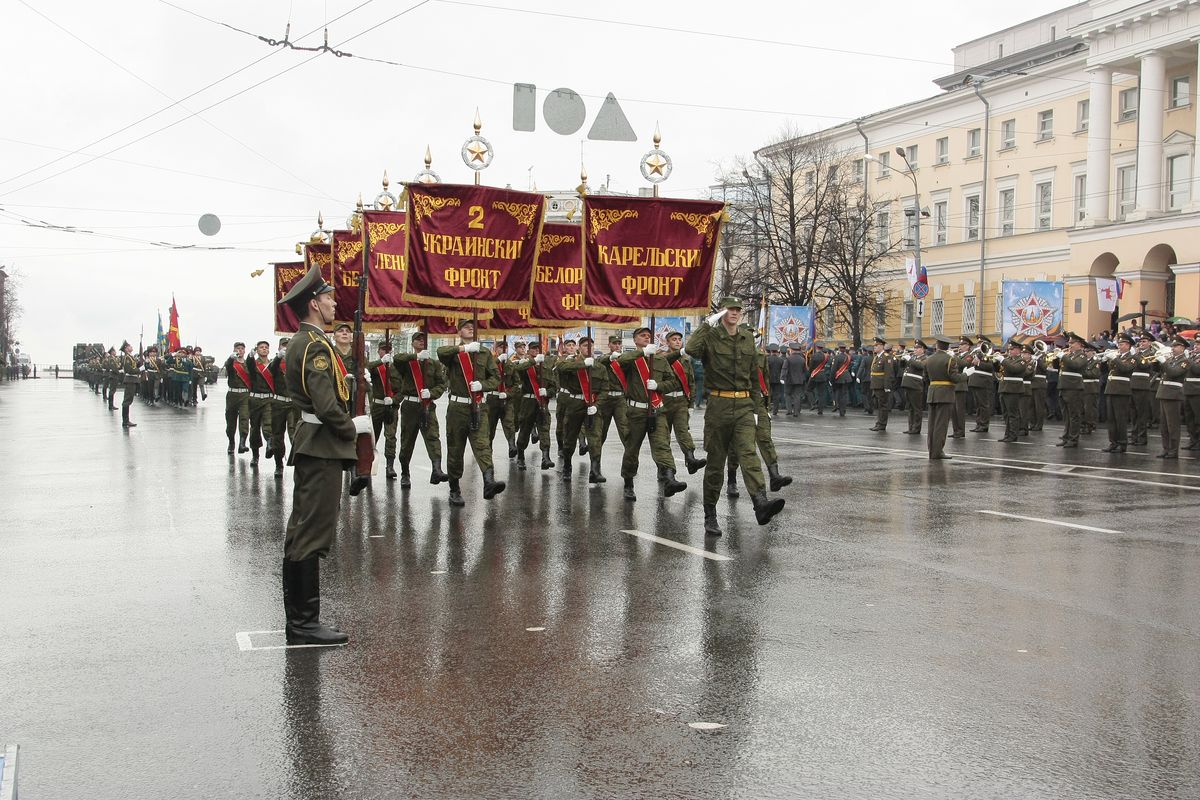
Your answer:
<point x="1106" y="355"/>
<point x="1161" y="352"/>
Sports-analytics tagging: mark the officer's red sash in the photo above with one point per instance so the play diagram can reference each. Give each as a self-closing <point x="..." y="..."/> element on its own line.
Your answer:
<point x="620" y="373"/>
<point x="383" y="377"/>
<point x="240" y="369"/>
<point x="585" y="386"/>
<point x="644" y="372"/>
<point x="679" y="371"/>
<point x="418" y="376"/>
<point x="842" y="369"/>
<point x="503" y="386"/>
<point x="531" y="373"/>
<point x="468" y="371"/>
<point x="762" y="383"/>
<point x="820" y="366"/>
<point x="266" y="373"/>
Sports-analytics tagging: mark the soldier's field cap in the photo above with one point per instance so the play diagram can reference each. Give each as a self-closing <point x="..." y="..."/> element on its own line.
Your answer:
<point x="462" y="323"/>
<point x="1075" y="337"/>
<point x="880" y="340"/>
<point x="669" y="334"/>
<point x="943" y="339"/>
<point x="918" y="343"/>
<point x="305" y="289"/>
<point x="1125" y="337"/>
<point x="1179" y="341"/>
<point x="384" y="345"/>
<point x="590" y="340"/>
<point x="964" y="339"/>
<point x="729" y="302"/>
<point x="283" y="342"/>
<point x="615" y="340"/>
<point x="239" y="344"/>
<point x="345" y="325"/>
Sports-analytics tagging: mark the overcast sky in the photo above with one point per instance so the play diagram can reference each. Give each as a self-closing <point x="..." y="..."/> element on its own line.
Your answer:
<point x="268" y="137"/>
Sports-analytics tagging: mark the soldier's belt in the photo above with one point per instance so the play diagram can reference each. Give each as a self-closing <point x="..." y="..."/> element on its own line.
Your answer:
<point x="729" y="395"/>
<point x="565" y="393"/>
<point x="378" y="402"/>
<point x="279" y="399"/>
<point x="636" y="404"/>
<point x="1173" y="383"/>
<point x="262" y="395"/>
<point x="1072" y="374"/>
<point x="941" y="383"/>
<point x="310" y="418"/>
<point x="1141" y="374"/>
<point x="411" y="397"/>
<point x="456" y="399"/>
<point x="1119" y="377"/>
<point x="622" y="394"/>
<point x="674" y="394"/>
<point x="1193" y="380"/>
<point x="879" y="374"/>
<point x="1007" y="378"/>
<point x="1091" y="380"/>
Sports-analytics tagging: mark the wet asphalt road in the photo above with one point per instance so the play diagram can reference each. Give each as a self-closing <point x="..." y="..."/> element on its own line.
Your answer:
<point x="882" y="638"/>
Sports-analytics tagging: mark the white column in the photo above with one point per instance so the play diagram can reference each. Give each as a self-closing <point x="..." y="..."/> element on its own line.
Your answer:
<point x="1151" y="108"/>
<point x="1194" y="203"/>
<point x="1099" y="146"/>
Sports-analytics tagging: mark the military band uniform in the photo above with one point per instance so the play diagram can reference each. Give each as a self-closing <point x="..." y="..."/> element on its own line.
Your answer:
<point x="643" y="420"/>
<point x="913" y="384"/>
<point x="1091" y="395"/>
<point x="1070" y="391"/>
<point x="1191" y="398"/>
<point x="261" y="397"/>
<point x="1170" y="400"/>
<point x="1040" y="386"/>
<point x="882" y="369"/>
<point x="1117" y="395"/>
<point x="151" y="379"/>
<point x="1142" y="393"/>
<point x="1012" y="389"/>
<point x="942" y="371"/>
<point x="419" y="416"/>
<point x="982" y="386"/>
<point x="958" y="415"/>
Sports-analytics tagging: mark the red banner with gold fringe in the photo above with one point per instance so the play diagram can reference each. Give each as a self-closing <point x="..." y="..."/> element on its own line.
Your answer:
<point x="558" y="282"/>
<point x="286" y="274"/>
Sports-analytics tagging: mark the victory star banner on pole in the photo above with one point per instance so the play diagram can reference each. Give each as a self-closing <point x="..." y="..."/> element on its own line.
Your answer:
<point x="788" y="324"/>
<point x="471" y="245"/>
<point x="286" y="273"/>
<point x="1032" y="309"/>
<point x="558" y="281"/>
<point x="649" y="254"/>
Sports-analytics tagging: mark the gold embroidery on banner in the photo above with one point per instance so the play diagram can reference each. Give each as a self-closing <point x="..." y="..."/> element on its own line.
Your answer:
<point x="552" y="240"/>
<point x="601" y="219"/>
<point x="521" y="212"/>
<point x="703" y="223"/>
<point x="320" y="257"/>
<point x="348" y="251"/>
<point x="425" y="206"/>
<point x="382" y="231"/>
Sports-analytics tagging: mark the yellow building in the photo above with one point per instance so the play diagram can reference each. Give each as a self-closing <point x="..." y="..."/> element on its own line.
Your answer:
<point x="1061" y="148"/>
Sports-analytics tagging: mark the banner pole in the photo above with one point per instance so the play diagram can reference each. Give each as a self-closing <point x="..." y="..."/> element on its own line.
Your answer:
<point x="365" y="447"/>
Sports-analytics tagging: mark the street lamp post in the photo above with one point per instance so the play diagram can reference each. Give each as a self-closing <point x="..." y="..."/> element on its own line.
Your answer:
<point x="917" y="213"/>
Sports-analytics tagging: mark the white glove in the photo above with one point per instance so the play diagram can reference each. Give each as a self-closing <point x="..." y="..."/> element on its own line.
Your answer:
<point x="387" y="401"/>
<point x="683" y="353"/>
<point x="652" y="385"/>
<point x="713" y="319"/>
<point x="539" y="358"/>
<point x="969" y="371"/>
<point x="587" y="362"/>
<point x="142" y="368"/>
<point x="234" y="356"/>
<point x="502" y="357"/>
<point x="591" y="410"/>
<point x="363" y="425"/>
<point x="425" y="394"/>
<point x="650" y="349"/>
<point x="781" y="380"/>
<point x="502" y="395"/>
<point x="423" y="355"/>
<point x="386" y="358"/>
<point x="473" y="347"/>
<point x="476" y="386"/>
<point x="541" y="392"/>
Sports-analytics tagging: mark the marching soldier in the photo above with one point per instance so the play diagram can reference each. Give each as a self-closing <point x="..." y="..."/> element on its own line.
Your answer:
<point x="131" y="374"/>
<point x="942" y="371"/>
<point x="283" y="418"/>
<point x="237" y="397"/>
<point x="843" y="377"/>
<point x="1140" y="384"/>
<point x="962" y="363"/>
<point x="913" y="384"/>
<point x="601" y="378"/>
<point x="1170" y="397"/>
<point x="677" y="404"/>
<point x="982" y="386"/>
<point x="472" y="371"/>
<point x="534" y="417"/>
<point x="728" y="354"/>
<point x="648" y="376"/>
<point x="422" y="382"/>
<point x="512" y="388"/>
<point x="759" y="392"/>
<point x="1070" y="388"/>
<point x="1191" y="396"/>
<point x="611" y="407"/>
<point x="262" y="392"/>
<point x="1117" y="394"/>
<point x="385" y="406"/>
<point x="881" y="384"/>
<point x="199" y="375"/>
<point x="1012" y="389"/>
<point x="576" y="400"/>
<point x="497" y="401"/>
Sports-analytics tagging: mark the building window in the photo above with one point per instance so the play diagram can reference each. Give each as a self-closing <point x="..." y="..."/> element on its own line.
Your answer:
<point x="1008" y="134"/>
<point x="1044" y="197"/>
<point x="885" y="160"/>
<point x="827" y="322"/>
<point x="1000" y="51"/>
<point x="1128" y="103"/>
<point x="1080" y="197"/>
<point x="1045" y="125"/>
<point x="1180" y="91"/>
<point x="973" y="142"/>
<point x="1126" y="191"/>
<point x="1082" y="110"/>
<point x="880" y="320"/>
<point x="911" y="156"/>
<point x="1053" y="33"/>
<point x="973" y="217"/>
<point x="968" y="315"/>
<point x="858" y="170"/>
<point x="883" y="230"/>
<point x="939" y="221"/>
<point x="935" y="327"/>
<point x="1007" y="211"/>
<point x="943" y="150"/>
<point x="906" y="320"/>
<point x="1179" y="180"/>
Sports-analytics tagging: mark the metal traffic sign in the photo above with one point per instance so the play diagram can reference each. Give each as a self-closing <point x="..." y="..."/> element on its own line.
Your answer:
<point x="565" y="112"/>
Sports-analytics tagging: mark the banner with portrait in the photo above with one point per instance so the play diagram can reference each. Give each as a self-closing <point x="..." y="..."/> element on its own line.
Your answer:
<point x="788" y="324"/>
<point x="1031" y="309"/>
<point x="648" y="254"/>
<point x="557" y="290"/>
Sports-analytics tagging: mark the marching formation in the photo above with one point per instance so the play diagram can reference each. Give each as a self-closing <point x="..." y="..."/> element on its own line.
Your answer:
<point x="179" y="379"/>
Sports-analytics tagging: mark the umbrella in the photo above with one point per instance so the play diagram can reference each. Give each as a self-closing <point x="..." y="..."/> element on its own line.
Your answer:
<point x="1128" y="317"/>
<point x="1184" y="320"/>
<point x="1189" y="334"/>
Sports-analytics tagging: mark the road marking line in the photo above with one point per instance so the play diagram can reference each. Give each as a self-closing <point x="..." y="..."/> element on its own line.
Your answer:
<point x="684" y="547"/>
<point x="535" y="630"/>
<point x="1048" y="521"/>
<point x="705" y="726"/>
<point x="244" y="643"/>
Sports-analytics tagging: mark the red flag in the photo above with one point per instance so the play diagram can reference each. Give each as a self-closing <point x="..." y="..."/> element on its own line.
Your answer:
<point x="173" y="342"/>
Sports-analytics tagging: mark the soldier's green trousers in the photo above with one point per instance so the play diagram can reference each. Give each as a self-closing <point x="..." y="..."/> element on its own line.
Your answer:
<point x="676" y="414"/>
<point x="730" y="429"/>
<point x="660" y="442"/>
<point x="527" y="419"/>
<point x="611" y="408"/>
<point x="260" y="420"/>
<point x="410" y="419"/>
<point x="1072" y="405"/>
<point x="574" y="418"/>
<point x="383" y="418"/>
<point x="459" y="433"/>
<point x="283" y="420"/>
<point x="762" y="437"/>
<point x="499" y="418"/>
<point x="1118" y="418"/>
<point x="316" y="498"/>
<point x="237" y="413"/>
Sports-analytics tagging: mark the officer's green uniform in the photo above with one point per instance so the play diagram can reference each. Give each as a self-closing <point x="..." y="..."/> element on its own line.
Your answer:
<point x="1025" y="405"/>
<point x="958" y="416"/>
<point x="1012" y="389"/>
<point x="883" y="365"/>
<point x="762" y="434"/>
<point x="131" y="376"/>
<point x="458" y="414"/>
<point x="982" y="386"/>
<point x="1170" y="399"/>
<point x="261" y="397"/>
<point x="942" y="371"/>
<point x="1191" y="399"/>
<point x="913" y="384"/>
<point x="509" y="417"/>
<point x="533" y="414"/>
<point x="1091" y="395"/>
<point x="1142" y="395"/>
<point x="237" y="405"/>
<point x="1117" y="395"/>
<point x="640" y="411"/>
<point x="283" y="414"/>
<point x="415" y="412"/>
<point x="1040" y="387"/>
<point x="1070" y="392"/>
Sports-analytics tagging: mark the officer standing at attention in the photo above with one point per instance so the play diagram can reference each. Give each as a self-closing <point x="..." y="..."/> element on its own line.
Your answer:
<point x="730" y="365"/>
<point x="881" y="384"/>
<point x="1117" y="394"/>
<point x="131" y="374"/>
<point x="472" y="372"/>
<point x="324" y="447"/>
<point x="942" y="372"/>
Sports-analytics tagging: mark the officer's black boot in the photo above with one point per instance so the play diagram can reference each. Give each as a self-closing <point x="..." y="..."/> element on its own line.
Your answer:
<point x="405" y="477"/>
<point x="521" y="460"/>
<point x="777" y="481"/>
<point x="594" y="474"/>
<point x="629" y="494"/>
<point x="692" y="463"/>
<point x="662" y="475"/>
<point x="254" y="458"/>
<point x="670" y="485"/>
<point x="125" y="423"/>
<point x="731" y="489"/>
<point x="711" y="527"/>
<point x="278" y="464"/>
<point x="764" y="508"/>
<point x="436" y="475"/>
<point x="302" y="604"/>
<point x="391" y="468"/>
<point x="242" y="445"/>
<point x="456" y="498"/>
<point x="230" y="451"/>
<point x="546" y="462"/>
<point x="491" y="486"/>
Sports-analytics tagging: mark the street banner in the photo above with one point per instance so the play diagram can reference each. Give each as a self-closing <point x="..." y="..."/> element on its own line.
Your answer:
<point x="174" y="344"/>
<point x="471" y="245"/>
<point x="648" y="254"/>
<point x="787" y="324"/>
<point x="918" y="279"/>
<point x="1032" y="309"/>
<point x="285" y="274"/>
<point x="664" y="325"/>
<point x="558" y="281"/>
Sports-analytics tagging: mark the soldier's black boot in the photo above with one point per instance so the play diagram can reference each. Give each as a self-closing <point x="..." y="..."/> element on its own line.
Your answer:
<point x="512" y="447"/>
<point x="765" y="508"/>
<point x="521" y="460"/>
<point x="242" y="445"/>
<point x="302" y="604"/>
<point x="567" y="469"/>
<point x="112" y="401"/>
<point x="629" y="493"/>
<point x="254" y="458"/>
<point x="391" y="468"/>
<point x="436" y="475"/>
<point x="546" y="462"/>
<point x="583" y="447"/>
<point x="491" y="486"/>
<point x="278" y="465"/>
<point x="692" y="463"/>
<point x="731" y="489"/>
<point x="594" y="474"/>
<point x="662" y="475"/>
<point x="405" y="477"/>
<point x="456" y="498"/>
<point x="125" y="423"/>
<point x="230" y="451"/>
<point x="711" y="527"/>
<point x="670" y="485"/>
<point x="777" y="481"/>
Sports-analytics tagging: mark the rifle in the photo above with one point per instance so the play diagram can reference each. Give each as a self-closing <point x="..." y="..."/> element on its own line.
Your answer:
<point x="365" y="445"/>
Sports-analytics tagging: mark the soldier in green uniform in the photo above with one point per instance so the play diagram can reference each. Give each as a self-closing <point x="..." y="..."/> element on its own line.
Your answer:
<point x="941" y="370"/>
<point x="730" y="363"/>
<point x="576" y="400"/>
<point x="1025" y="404"/>
<point x="882" y="368"/>
<point x="513" y="390"/>
<point x="110" y="366"/>
<point x="962" y="363"/>
<point x="262" y="393"/>
<point x="283" y="413"/>
<point x="199" y="375"/>
<point x="1039" y="387"/>
<point x="1191" y="396"/>
<point x="1139" y="382"/>
<point x="1070" y="388"/>
<point x="1170" y="397"/>
<point x="913" y="384"/>
<point x="533" y="416"/>
<point x="385" y="405"/>
<point x="566" y="349"/>
<point x="600" y="378"/>
<point x="760" y="392"/>
<point x="237" y="397"/>
<point x="1091" y="392"/>
<point x="677" y="404"/>
<point x="151" y="376"/>
<point x="1012" y="389"/>
<point x="323" y="449"/>
<point x="497" y="401"/>
<point x="422" y="382"/>
<point x="471" y="372"/>
<point x="648" y="376"/>
<point x="1117" y="394"/>
<point x="131" y="375"/>
<point x="611" y="407"/>
<point x="982" y="386"/>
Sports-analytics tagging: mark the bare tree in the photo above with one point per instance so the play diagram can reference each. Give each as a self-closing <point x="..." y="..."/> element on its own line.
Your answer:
<point x="10" y="310"/>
